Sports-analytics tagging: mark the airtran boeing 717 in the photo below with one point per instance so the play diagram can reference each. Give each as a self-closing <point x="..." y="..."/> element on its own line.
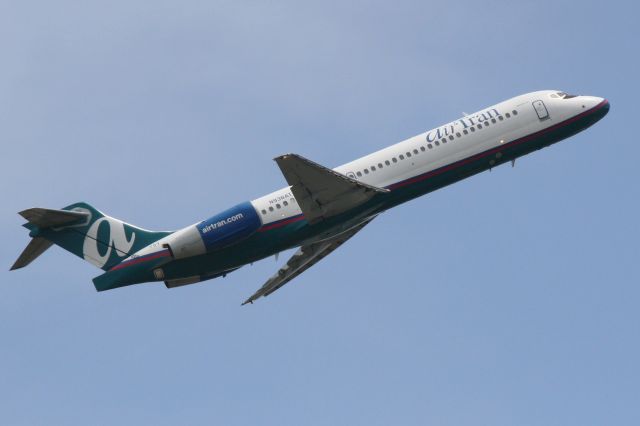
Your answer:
<point x="320" y="209"/>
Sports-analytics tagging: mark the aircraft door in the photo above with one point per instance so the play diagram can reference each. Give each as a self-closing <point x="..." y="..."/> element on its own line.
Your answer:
<point x="541" y="110"/>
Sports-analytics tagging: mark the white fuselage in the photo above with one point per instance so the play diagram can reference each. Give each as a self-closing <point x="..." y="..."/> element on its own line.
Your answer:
<point x="498" y="124"/>
<point x="396" y="165"/>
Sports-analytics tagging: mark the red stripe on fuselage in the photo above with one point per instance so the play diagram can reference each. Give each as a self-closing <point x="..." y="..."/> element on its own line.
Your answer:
<point x="141" y="259"/>
<point x="280" y="223"/>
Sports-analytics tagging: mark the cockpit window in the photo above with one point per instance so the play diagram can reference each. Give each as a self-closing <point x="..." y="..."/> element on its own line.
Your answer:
<point x="562" y="95"/>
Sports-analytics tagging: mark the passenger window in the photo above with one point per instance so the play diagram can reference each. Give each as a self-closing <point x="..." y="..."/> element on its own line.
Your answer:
<point x="415" y="151"/>
<point x="264" y="211"/>
<point x="394" y="160"/>
<point x="387" y="163"/>
<point x="437" y="143"/>
<point x="366" y="171"/>
<point x="507" y="115"/>
<point x="278" y="206"/>
<point x="285" y="203"/>
<point x="408" y="154"/>
<point x="465" y="131"/>
<point x="379" y="165"/>
<point x="514" y="112"/>
<point x="458" y="134"/>
<point x="373" y="168"/>
<point x="430" y="146"/>
<point x="493" y="120"/>
<point x="401" y="157"/>
<point x="450" y="137"/>
<point x="270" y="208"/>
<point x="359" y="174"/>
<point x="422" y="149"/>
<point x="479" y="126"/>
<point x="500" y="118"/>
<point x="472" y="129"/>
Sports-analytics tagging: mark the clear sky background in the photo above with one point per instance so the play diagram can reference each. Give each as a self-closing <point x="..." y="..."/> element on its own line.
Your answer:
<point x="511" y="298"/>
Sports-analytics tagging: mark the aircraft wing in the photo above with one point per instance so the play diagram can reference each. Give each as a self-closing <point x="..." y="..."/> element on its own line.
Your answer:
<point x="303" y="259"/>
<point x="320" y="191"/>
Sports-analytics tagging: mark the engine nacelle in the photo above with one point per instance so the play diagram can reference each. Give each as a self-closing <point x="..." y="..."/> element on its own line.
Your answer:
<point x="230" y="226"/>
<point x="219" y="231"/>
<point x="186" y="242"/>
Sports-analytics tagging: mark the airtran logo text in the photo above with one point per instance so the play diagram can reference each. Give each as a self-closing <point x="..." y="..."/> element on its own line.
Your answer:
<point x="462" y="124"/>
<point x="221" y="223"/>
<point x="117" y="239"/>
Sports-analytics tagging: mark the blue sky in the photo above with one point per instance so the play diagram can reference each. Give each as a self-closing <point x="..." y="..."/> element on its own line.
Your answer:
<point x="508" y="298"/>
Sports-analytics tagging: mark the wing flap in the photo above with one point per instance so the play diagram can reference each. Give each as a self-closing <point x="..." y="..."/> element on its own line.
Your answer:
<point x="303" y="259"/>
<point x="320" y="191"/>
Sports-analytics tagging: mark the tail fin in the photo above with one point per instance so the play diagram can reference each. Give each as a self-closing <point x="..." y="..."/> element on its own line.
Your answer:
<point x="85" y="232"/>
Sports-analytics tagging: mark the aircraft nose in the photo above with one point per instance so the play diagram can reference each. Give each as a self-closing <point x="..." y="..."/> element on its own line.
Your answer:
<point x="602" y="106"/>
<point x="594" y="101"/>
<point x="596" y="108"/>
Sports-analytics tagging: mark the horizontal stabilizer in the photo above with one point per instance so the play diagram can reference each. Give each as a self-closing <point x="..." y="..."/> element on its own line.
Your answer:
<point x="322" y="192"/>
<point x="47" y="218"/>
<point x="35" y="248"/>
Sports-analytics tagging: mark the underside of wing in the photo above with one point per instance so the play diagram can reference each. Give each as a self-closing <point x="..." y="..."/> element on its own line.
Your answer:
<point x="303" y="259"/>
<point x="320" y="191"/>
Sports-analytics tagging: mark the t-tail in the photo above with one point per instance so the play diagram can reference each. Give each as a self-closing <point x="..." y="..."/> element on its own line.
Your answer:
<point x="84" y="231"/>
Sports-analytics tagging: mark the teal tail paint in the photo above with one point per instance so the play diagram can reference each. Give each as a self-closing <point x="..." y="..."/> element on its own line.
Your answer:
<point x="88" y="233"/>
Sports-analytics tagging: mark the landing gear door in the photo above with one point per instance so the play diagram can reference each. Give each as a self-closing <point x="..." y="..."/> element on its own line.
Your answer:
<point x="541" y="110"/>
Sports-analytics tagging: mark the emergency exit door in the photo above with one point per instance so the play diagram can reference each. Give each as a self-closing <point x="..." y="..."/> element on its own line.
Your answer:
<point x="541" y="110"/>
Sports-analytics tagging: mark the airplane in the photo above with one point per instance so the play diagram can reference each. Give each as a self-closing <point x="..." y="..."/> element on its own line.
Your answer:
<point x="321" y="208"/>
